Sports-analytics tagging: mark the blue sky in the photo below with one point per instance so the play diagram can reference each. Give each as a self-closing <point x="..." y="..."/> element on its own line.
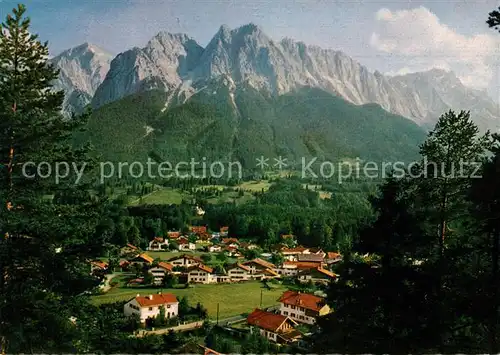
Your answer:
<point x="384" y="35"/>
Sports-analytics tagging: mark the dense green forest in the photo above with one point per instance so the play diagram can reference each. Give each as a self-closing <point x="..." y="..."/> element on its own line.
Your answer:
<point x="306" y="123"/>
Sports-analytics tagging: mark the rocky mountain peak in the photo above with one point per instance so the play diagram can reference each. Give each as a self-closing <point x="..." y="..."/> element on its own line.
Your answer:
<point x="82" y="69"/>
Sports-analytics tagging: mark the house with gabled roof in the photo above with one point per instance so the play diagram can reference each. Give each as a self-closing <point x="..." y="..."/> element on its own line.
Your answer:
<point x="292" y="268"/>
<point x="185" y="244"/>
<point x="198" y="230"/>
<point x="149" y="306"/>
<point x="158" y="244"/>
<point x="173" y="235"/>
<point x="261" y="269"/>
<point x="185" y="260"/>
<point x="201" y="274"/>
<point x="317" y="275"/>
<point x="160" y="271"/>
<point x="275" y="327"/>
<point x="129" y="249"/>
<point x="141" y="259"/>
<point x="303" y="307"/>
<point x="239" y="272"/>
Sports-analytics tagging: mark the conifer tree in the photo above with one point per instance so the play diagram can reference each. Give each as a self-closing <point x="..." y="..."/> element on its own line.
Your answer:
<point x="43" y="240"/>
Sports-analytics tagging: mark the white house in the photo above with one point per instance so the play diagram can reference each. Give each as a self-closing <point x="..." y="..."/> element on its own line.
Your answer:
<point x="160" y="271"/>
<point x="239" y="272"/>
<point x="184" y="244"/>
<point x="149" y="306"/>
<point x="158" y="243"/>
<point x="214" y="248"/>
<point x="261" y="269"/>
<point x="302" y="307"/>
<point x="184" y="260"/>
<point x="201" y="274"/>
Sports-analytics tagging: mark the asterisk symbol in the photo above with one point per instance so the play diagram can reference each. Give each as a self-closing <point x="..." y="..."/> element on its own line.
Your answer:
<point x="280" y="162"/>
<point x="262" y="162"/>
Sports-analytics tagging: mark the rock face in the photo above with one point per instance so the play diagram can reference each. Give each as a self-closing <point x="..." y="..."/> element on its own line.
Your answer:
<point x="82" y="70"/>
<point x="177" y="64"/>
<point x="164" y="63"/>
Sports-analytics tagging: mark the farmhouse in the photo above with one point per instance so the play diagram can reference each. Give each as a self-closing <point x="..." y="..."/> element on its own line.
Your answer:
<point x="160" y="271"/>
<point x="141" y="259"/>
<point x="158" y="243"/>
<point x="149" y="306"/>
<point x="275" y="327"/>
<point x="239" y="272"/>
<point x="201" y="274"/>
<point x="185" y="260"/>
<point x="303" y="307"/>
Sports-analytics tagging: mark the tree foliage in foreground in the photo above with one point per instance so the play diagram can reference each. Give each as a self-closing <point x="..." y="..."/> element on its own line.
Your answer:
<point x="43" y="241"/>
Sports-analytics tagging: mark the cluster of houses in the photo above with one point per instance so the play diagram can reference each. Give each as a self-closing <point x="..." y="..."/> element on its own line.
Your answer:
<point x="279" y="326"/>
<point x="184" y="242"/>
<point x="302" y="263"/>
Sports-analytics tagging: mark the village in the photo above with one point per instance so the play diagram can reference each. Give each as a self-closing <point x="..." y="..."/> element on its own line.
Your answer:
<point x="201" y="257"/>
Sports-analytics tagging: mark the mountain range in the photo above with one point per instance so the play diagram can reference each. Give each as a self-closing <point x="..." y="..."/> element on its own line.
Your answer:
<point x="176" y="62"/>
<point x="245" y="95"/>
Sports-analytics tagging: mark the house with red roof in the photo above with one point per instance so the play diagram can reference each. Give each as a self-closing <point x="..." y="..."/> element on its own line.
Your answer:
<point x="201" y="274"/>
<point x="275" y="327"/>
<point x="149" y="306"/>
<point x="198" y="230"/>
<point x="173" y="235"/>
<point x="303" y="307"/>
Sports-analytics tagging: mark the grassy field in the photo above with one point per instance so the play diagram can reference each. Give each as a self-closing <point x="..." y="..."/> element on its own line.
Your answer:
<point x="165" y="196"/>
<point x="233" y="299"/>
